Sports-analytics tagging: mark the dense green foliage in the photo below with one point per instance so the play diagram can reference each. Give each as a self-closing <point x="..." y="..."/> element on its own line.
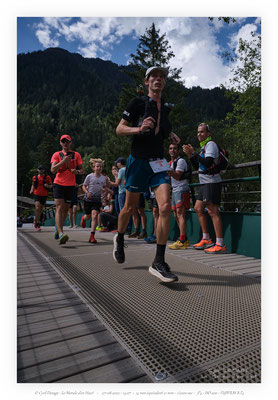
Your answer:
<point x="60" y="92"/>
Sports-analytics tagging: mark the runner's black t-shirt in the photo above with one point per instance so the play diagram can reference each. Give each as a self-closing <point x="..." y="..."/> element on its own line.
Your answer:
<point x="150" y="146"/>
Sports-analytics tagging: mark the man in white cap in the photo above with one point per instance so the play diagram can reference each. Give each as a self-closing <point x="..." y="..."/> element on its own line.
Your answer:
<point x="66" y="164"/>
<point x="145" y="119"/>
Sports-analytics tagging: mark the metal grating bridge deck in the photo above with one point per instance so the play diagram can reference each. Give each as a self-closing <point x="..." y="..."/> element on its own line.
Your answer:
<point x="203" y="328"/>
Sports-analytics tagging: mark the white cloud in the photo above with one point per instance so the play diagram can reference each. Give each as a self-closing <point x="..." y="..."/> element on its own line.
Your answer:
<point x="44" y="36"/>
<point x="192" y="40"/>
<point x="243" y="33"/>
<point x="196" y="51"/>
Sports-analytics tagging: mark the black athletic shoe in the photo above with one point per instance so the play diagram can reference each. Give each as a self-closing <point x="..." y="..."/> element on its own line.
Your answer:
<point x="118" y="251"/>
<point x="162" y="271"/>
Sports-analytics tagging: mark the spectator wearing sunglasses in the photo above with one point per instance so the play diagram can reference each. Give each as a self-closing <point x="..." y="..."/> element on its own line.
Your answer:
<point x="40" y="184"/>
<point x="66" y="164"/>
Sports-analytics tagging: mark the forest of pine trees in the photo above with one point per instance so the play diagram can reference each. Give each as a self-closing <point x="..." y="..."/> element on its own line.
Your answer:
<point x="60" y="92"/>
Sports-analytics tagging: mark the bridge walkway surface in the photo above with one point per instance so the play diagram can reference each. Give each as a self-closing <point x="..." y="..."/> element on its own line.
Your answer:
<point x="84" y="318"/>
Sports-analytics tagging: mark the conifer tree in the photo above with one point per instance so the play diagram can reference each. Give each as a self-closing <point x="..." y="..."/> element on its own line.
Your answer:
<point x="153" y="49"/>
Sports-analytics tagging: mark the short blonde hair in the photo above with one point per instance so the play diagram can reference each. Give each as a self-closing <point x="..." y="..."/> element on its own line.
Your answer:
<point x="94" y="161"/>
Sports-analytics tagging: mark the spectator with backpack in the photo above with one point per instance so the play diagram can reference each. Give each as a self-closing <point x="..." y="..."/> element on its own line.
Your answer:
<point x="40" y="183"/>
<point x="209" y="162"/>
<point x="180" y="173"/>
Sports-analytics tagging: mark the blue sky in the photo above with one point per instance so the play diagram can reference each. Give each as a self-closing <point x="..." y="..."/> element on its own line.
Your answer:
<point x="196" y="42"/>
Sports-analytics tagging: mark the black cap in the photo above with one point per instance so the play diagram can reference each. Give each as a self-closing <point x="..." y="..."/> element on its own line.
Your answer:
<point x="41" y="167"/>
<point x="121" y="160"/>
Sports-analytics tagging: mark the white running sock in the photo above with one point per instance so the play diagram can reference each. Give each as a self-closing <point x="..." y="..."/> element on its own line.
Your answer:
<point x="220" y="241"/>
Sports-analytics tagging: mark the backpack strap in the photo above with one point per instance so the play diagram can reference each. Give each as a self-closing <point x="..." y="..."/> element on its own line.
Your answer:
<point x="36" y="181"/>
<point x="213" y="169"/>
<point x="186" y="174"/>
<point x="62" y="155"/>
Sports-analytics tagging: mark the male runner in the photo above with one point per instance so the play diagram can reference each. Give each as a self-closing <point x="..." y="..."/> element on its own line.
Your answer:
<point x="40" y="183"/>
<point x="145" y="119"/>
<point x="179" y="174"/>
<point x="66" y="164"/>
<point x="210" y="190"/>
<point x="92" y="187"/>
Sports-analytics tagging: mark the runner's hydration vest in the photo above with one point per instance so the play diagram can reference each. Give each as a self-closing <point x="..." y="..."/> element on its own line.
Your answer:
<point x="220" y="165"/>
<point x="36" y="181"/>
<point x="62" y="155"/>
<point x="152" y="111"/>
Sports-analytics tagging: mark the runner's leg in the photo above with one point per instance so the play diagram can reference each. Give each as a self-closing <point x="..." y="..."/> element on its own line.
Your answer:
<point x="162" y="194"/>
<point x="129" y="207"/>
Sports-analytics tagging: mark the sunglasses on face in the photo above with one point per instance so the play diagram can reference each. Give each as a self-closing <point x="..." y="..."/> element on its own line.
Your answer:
<point x="65" y="141"/>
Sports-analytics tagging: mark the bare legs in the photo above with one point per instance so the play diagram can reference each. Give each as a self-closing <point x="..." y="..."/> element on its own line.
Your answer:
<point x="213" y="211"/>
<point x="129" y="208"/>
<point x="38" y="211"/>
<point x="162" y="194"/>
<point x="62" y="209"/>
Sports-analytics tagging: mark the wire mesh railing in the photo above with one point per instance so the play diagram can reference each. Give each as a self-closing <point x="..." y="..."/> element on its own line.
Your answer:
<point x="239" y="193"/>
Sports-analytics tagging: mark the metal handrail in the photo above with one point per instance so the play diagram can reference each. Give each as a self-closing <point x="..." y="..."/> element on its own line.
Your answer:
<point x="238" y="166"/>
<point x="238" y="203"/>
<point x="235" y="180"/>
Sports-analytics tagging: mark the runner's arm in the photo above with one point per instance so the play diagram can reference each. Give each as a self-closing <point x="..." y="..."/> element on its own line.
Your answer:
<point x="175" y="174"/>
<point x="205" y="161"/>
<point x="123" y="129"/>
<point x="55" y="166"/>
<point x="195" y="158"/>
<point x="174" y="139"/>
<point x="77" y="171"/>
<point x="84" y="188"/>
<point x="116" y="183"/>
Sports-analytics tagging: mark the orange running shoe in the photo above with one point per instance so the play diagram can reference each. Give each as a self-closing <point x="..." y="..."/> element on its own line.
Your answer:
<point x="203" y="244"/>
<point x="217" y="249"/>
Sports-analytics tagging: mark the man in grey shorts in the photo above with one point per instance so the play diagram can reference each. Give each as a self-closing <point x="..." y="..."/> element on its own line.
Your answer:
<point x="210" y="190"/>
<point x="179" y="173"/>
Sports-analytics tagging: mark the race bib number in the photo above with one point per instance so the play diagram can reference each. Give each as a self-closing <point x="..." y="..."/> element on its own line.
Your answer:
<point x="159" y="165"/>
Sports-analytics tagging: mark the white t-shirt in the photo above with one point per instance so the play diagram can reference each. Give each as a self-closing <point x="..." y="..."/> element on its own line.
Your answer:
<point x="179" y="185"/>
<point x="211" y="150"/>
<point x="94" y="186"/>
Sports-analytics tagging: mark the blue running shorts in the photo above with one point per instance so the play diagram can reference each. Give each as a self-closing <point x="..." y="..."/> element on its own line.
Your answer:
<point x="139" y="175"/>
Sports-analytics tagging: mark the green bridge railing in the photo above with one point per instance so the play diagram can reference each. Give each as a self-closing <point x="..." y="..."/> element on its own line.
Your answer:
<point x="240" y="211"/>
